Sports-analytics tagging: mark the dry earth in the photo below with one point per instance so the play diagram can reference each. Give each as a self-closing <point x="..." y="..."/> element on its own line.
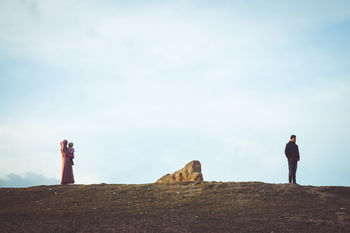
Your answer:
<point x="178" y="207"/>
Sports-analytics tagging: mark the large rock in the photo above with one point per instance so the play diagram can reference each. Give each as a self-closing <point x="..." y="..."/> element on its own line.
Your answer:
<point x="191" y="172"/>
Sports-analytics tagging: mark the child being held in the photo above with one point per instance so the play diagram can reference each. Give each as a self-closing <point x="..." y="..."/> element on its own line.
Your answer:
<point x="71" y="150"/>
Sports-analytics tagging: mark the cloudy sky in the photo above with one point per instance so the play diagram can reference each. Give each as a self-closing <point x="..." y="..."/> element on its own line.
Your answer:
<point x="143" y="87"/>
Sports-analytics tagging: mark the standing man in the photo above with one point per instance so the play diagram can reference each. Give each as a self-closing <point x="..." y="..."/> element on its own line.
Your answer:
<point x="292" y="154"/>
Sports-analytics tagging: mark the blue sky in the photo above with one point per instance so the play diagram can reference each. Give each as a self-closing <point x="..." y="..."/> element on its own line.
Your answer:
<point x="142" y="88"/>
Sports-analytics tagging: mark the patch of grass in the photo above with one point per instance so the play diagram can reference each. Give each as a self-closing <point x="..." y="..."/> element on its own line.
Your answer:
<point x="176" y="207"/>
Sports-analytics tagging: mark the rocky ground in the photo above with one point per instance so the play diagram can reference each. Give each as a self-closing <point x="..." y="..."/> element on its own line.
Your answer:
<point x="179" y="207"/>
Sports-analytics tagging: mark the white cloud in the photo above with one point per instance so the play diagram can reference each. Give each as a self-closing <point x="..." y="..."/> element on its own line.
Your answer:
<point x="28" y="179"/>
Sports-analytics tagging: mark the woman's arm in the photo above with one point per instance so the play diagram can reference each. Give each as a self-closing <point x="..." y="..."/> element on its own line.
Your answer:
<point x="70" y="154"/>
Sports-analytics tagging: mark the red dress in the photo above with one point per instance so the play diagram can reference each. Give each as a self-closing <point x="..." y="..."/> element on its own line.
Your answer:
<point x="67" y="169"/>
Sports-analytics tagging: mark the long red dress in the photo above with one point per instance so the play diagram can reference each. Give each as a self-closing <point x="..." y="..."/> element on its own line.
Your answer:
<point x="67" y="169"/>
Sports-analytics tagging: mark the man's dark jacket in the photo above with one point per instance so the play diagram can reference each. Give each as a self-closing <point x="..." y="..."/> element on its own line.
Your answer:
<point x="292" y="151"/>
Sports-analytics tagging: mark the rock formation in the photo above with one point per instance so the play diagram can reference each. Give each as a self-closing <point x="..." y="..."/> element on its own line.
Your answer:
<point x="191" y="172"/>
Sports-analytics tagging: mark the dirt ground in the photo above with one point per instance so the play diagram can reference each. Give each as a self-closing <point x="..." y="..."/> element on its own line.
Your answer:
<point x="181" y="207"/>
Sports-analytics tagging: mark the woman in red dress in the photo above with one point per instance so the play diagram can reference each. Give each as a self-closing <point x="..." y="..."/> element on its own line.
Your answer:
<point x="67" y="169"/>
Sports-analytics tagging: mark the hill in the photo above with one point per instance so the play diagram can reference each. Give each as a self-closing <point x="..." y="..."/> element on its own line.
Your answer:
<point x="178" y="207"/>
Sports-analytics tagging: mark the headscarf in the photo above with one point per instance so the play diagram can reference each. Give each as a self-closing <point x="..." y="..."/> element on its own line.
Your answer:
<point x="64" y="147"/>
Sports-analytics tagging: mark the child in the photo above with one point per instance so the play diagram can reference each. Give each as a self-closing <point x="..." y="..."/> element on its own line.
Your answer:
<point x="71" y="150"/>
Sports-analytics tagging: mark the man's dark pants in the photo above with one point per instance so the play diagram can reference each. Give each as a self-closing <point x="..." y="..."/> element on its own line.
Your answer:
<point x="292" y="165"/>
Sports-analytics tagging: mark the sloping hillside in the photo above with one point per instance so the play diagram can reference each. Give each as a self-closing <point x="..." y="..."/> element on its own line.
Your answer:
<point x="181" y="207"/>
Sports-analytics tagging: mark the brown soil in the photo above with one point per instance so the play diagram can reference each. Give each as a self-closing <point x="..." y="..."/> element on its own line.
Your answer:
<point x="180" y="207"/>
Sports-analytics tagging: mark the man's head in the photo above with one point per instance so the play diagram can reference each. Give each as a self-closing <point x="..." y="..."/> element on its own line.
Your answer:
<point x="293" y="138"/>
<point x="70" y="144"/>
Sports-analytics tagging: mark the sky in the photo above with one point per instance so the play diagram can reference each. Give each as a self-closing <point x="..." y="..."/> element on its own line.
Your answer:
<point x="143" y="87"/>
